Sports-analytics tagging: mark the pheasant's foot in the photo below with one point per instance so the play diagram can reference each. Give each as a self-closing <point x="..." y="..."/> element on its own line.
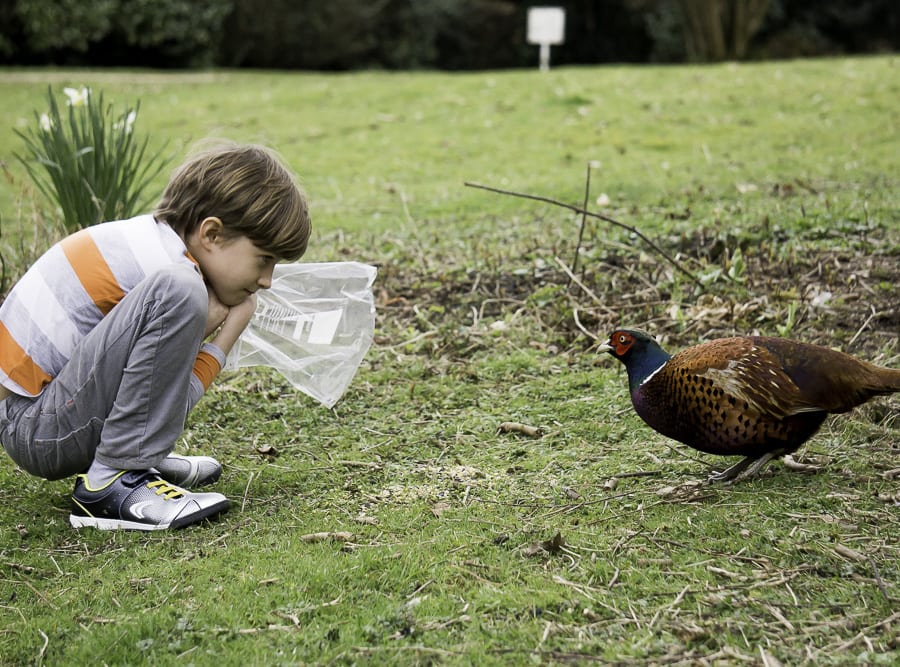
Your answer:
<point x="730" y="473"/>
<point x="745" y="469"/>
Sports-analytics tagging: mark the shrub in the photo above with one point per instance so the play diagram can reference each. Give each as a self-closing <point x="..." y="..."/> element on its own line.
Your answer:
<point x="88" y="160"/>
<point x="175" y="32"/>
<point x="58" y="25"/>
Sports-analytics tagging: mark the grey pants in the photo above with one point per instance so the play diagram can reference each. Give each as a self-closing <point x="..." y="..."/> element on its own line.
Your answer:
<point x="123" y="397"/>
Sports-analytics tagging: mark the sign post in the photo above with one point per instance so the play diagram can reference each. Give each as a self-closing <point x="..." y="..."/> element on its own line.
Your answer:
<point x="546" y="26"/>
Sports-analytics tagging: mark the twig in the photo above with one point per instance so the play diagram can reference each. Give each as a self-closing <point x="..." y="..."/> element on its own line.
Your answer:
<point x="525" y="429"/>
<point x="860" y="635"/>
<point x="776" y="612"/>
<point x="583" y="589"/>
<point x="579" y="283"/>
<point x="331" y="603"/>
<point x="414" y="339"/>
<point x="600" y="216"/>
<point x="40" y="657"/>
<point x="246" y="491"/>
<point x="878" y="581"/>
<point x="39" y="594"/>
<point x="420" y="589"/>
<point x="768" y="659"/>
<point x="636" y="473"/>
<point x="615" y="577"/>
<point x="848" y="553"/>
<point x="372" y="650"/>
<point x="17" y="610"/>
<point x="674" y="603"/>
<point x="862" y="328"/>
<point x="587" y="195"/>
<point x="581" y="326"/>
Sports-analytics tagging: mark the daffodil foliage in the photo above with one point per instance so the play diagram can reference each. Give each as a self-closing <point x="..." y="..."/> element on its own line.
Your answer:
<point x="86" y="159"/>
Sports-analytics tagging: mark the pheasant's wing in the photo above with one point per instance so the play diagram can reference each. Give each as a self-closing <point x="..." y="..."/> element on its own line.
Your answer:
<point x="748" y="372"/>
<point x="828" y="379"/>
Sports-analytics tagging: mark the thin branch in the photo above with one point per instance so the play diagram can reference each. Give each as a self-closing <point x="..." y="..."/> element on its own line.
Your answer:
<point x="573" y="277"/>
<point x="600" y="216"/>
<point x="862" y="328"/>
<point x="587" y="198"/>
<point x="581" y="326"/>
<point x="40" y="658"/>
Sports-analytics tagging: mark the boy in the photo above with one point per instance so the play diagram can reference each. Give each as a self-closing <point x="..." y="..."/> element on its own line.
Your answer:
<point x="102" y="351"/>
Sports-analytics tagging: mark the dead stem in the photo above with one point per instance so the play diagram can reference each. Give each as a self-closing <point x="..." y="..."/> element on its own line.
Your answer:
<point x="600" y="216"/>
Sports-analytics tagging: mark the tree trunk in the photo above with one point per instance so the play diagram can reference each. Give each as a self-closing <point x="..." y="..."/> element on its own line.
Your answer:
<point x="718" y="30"/>
<point x="746" y="19"/>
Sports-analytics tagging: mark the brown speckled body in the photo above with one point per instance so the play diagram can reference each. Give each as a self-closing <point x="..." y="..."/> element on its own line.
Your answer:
<point x="750" y="396"/>
<point x="732" y="396"/>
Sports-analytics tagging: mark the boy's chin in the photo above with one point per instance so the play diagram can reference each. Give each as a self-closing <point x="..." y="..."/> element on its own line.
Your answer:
<point x="236" y="301"/>
<point x="232" y="299"/>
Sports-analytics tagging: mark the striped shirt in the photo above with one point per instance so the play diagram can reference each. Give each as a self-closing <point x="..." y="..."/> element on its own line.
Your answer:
<point x="71" y="287"/>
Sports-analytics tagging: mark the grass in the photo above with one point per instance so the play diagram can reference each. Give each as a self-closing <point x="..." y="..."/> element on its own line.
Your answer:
<point x="406" y="526"/>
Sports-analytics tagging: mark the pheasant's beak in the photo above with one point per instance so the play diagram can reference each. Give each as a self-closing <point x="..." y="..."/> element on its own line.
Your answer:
<point x="605" y="347"/>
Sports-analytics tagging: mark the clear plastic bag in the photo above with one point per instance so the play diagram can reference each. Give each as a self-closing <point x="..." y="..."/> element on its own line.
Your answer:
<point x="314" y="325"/>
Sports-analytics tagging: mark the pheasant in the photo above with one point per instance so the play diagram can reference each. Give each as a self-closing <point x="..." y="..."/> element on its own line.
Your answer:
<point x="753" y="396"/>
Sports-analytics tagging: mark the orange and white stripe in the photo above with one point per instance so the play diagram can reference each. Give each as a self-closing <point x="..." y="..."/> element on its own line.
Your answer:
<point x="70" y="288"/>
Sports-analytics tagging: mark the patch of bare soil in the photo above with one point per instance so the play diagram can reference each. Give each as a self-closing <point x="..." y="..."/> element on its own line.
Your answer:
<point x="842" y="297"/>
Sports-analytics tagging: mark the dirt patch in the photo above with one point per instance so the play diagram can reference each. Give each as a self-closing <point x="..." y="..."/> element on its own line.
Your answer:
<point x="843" y="297"/>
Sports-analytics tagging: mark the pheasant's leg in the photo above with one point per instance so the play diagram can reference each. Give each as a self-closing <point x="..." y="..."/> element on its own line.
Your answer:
<point x="749" y="467"/>
<point x="754" y="468"/>
<point x="732" y="472"/>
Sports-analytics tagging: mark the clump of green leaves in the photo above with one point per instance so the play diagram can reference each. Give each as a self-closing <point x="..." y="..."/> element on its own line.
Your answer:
<point x="86" y="159"/>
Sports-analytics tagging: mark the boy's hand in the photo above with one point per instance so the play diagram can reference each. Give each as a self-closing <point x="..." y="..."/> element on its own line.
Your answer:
<point x="229" y="323"/>
<point x="241" y="314"/>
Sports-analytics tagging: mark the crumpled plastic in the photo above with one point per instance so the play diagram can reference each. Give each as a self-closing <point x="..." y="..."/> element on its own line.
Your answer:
<point x="314" y="326"/>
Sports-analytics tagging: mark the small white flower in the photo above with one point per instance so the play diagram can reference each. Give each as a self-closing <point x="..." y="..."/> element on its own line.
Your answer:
<point x="77" y="98"/>
<point x="127" y="123"/>
<point x="46" y="123"/>
<point x="603" y="199"/>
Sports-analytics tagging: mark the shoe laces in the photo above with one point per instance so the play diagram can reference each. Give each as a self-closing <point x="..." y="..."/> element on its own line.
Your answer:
<point x="162" y="488"/>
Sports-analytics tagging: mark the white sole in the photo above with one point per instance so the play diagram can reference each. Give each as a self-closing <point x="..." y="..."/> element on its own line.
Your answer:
<point x="112" y="524"/>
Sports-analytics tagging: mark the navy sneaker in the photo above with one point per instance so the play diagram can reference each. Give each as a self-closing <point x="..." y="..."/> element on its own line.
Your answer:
<point x="140" y="500"/>
<point x="189" y="472"/>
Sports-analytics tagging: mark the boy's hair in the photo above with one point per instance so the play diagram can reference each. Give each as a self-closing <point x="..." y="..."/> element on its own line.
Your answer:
<point x="248" y="188"/>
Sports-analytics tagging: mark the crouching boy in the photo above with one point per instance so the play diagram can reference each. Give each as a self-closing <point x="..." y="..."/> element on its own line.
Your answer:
<point x="115" y="333"/>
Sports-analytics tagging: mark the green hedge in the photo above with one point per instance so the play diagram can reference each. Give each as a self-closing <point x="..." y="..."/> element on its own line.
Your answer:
<point x="403" y="34"/>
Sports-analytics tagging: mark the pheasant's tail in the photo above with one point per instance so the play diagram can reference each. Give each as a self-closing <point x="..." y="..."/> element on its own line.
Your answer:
<point x="848" y="383"/>
<point x="887" y="380"/>
<point x="873" y="381"/>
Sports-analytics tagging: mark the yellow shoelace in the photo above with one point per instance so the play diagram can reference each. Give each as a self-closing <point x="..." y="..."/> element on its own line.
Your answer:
<point x="164" y="489"/>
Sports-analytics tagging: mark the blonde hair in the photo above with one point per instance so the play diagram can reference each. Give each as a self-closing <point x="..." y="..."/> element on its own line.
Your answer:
<point x="248" y="188"/>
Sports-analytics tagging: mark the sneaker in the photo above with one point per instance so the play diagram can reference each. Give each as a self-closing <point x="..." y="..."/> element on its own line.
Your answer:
<point x="190" y="472"/>
<point x="140" y="500"/>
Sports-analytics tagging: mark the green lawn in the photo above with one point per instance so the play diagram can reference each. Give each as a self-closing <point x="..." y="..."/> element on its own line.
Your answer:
<point x="451" y="540"/>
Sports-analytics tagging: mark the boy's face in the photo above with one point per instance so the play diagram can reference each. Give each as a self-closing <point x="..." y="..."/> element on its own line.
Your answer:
<point x="234" y="268"/>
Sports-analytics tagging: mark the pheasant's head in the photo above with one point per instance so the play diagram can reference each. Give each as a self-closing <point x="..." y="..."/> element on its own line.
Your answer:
<point x="638" y="350"/>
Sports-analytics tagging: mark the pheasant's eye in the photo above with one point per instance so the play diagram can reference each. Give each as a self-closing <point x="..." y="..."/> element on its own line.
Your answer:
<point x="623" y="339"/>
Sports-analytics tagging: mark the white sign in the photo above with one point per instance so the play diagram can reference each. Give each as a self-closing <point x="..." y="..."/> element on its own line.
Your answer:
<point x="546" y="25"/>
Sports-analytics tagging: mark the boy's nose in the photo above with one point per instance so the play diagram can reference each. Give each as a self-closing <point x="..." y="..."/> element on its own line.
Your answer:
<point x="265" y="279"/>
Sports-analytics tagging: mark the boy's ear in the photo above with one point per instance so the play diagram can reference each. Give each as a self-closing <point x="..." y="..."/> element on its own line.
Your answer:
<point x="210" y="230"/>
